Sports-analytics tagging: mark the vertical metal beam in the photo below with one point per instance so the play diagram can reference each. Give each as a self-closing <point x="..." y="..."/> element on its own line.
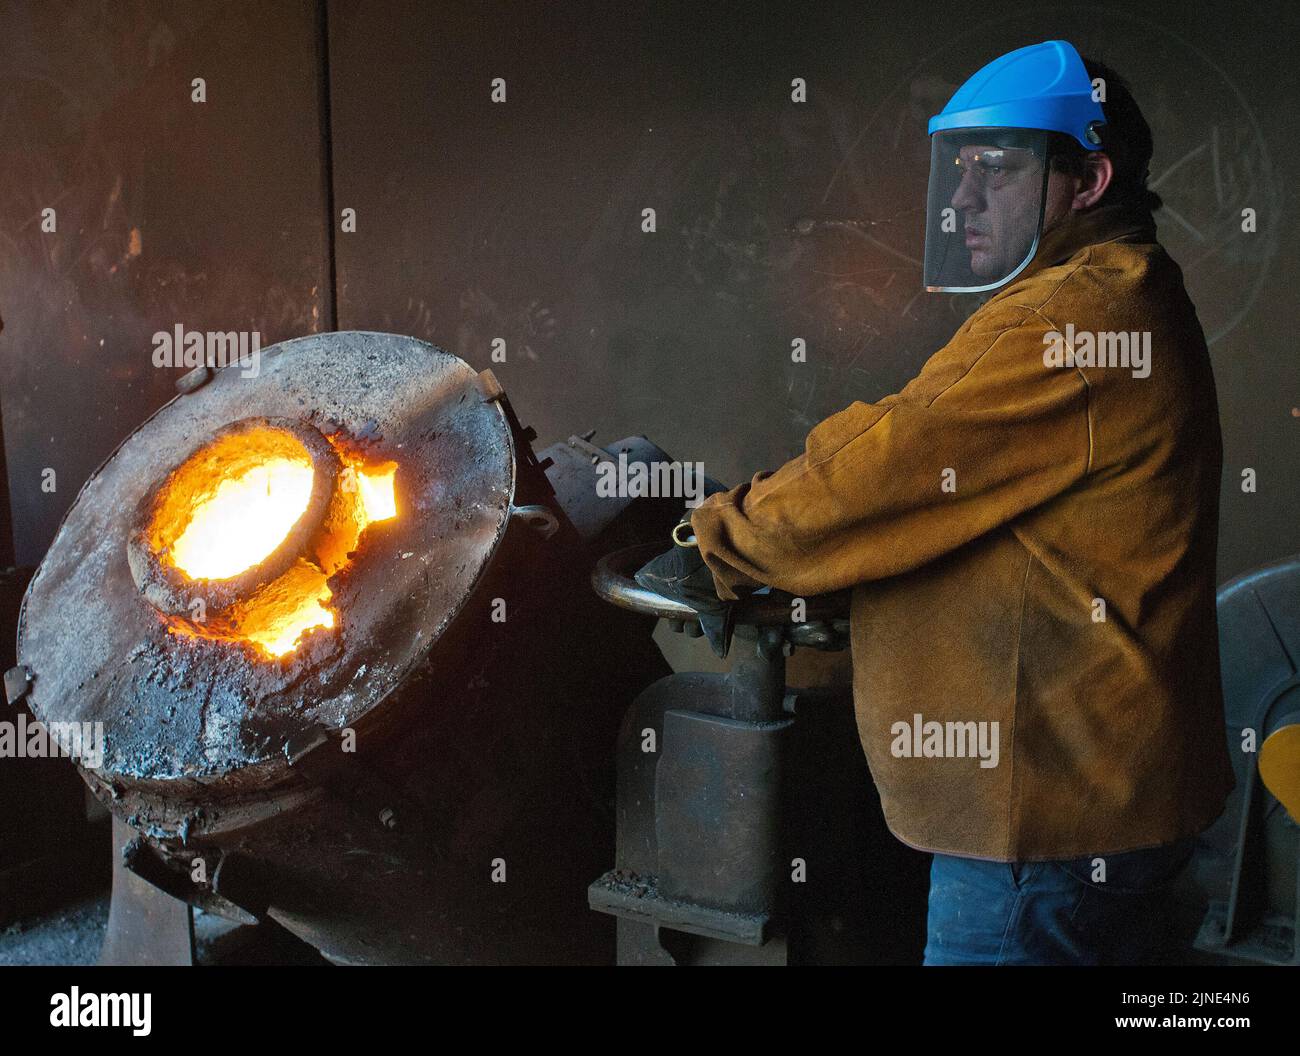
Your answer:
<point x="145" y="926"/>
<point x="327" y="160"/>
<point x="6" y="514"/>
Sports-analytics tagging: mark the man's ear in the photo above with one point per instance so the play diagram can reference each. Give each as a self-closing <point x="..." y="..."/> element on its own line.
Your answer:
<point x="1097" y="174"/>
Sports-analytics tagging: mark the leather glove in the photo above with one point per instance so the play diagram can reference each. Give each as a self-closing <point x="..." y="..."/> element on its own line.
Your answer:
<point x="681" y="575"/>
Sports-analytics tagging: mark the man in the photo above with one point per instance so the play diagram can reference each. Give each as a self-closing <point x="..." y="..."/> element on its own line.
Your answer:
<point x="1030" y="529"/>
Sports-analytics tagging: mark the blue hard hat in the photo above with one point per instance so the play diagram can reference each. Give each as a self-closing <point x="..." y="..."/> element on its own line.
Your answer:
<point x="1044" y="86"/>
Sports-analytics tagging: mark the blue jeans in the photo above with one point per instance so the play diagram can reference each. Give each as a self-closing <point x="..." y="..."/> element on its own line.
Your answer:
<point x="1055" y="912"/>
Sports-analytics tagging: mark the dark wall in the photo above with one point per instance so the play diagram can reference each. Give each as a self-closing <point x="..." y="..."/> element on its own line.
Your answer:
<point x="522" y="221"/>
<point x="210" y="215"/>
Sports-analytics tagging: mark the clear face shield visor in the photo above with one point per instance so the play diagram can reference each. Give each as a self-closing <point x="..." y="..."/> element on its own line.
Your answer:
<point x="984" y="210"/>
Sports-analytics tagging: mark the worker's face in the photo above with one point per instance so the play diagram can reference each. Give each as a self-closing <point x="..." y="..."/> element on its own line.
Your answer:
<point x="999" y="197"/>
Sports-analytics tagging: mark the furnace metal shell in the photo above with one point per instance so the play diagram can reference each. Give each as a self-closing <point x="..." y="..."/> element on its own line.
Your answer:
<point x="204" y="711"/>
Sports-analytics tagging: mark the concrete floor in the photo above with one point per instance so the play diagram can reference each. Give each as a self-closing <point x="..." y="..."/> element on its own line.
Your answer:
<point x="74" y="934"/>
<point x="70" y="935"/>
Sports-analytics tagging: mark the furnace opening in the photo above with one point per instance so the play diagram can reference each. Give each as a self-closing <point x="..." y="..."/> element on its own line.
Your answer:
<point x="244" y="535"/>
<point x="228" y="508"/>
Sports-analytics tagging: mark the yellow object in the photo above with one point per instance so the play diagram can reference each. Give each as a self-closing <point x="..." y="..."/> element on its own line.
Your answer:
<point x="1279" y="767"/>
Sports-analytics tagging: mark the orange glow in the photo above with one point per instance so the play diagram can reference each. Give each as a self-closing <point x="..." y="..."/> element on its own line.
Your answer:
<point x="293" y="605"/>
<point x="232" y="504"/>
<point x="378" y="498"/>
<point x="245" y="520"/>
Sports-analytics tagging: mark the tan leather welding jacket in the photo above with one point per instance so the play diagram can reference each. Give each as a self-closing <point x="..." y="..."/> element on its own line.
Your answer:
<point x="1030" y="545"/>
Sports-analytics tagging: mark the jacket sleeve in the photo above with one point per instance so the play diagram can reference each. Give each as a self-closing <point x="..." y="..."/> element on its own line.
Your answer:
<point x="984" y="433"/>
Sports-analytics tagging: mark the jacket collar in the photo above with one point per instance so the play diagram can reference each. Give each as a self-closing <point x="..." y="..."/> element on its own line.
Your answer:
<point x="1078" y="230"/>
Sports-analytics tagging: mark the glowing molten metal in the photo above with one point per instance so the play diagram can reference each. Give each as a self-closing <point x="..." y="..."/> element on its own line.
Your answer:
<point x="247" y="518"/>
<point x="237" y="501"/>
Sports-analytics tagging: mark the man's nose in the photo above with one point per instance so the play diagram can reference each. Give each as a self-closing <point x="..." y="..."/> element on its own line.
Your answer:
<point x="967" y="195"/>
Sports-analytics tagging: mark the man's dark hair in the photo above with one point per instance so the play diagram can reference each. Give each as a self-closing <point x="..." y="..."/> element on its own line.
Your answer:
<point x="1125" y="139"/>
